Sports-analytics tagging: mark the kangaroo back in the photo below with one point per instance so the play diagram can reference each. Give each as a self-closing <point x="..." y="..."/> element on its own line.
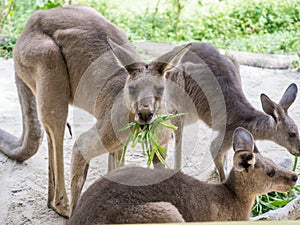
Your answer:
<point x="204" y="66"/>
<point x="62" y="27"/>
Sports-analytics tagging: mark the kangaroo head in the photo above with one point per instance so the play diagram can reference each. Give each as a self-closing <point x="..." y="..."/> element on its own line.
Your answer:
<point x="286" y="133"/>
<point x="145" y="84"/>
<point x="261" y="175"/>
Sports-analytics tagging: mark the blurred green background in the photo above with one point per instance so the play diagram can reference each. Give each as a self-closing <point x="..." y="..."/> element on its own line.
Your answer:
<point x="266" y="26"/>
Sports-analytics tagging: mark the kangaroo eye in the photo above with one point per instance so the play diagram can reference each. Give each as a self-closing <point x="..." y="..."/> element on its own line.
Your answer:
<point x="132" y="90"/>
<point x="160" y="91"/>
<point x="271" y="174"/>
<point x="292" y="135"/>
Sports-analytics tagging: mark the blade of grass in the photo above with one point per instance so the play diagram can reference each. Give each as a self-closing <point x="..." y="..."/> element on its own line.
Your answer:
<point x="297" y="188"/>
<point x="147" y="143"/>
<point x="295" y="163"/>
<point x="169" y="126"/>
<point x="135" y="135"/>
<point x="170" y="116"/>
<point x="125" y="148"/>
<point x="161" y="159"/>
<point x="157" y="145"/>
<point x="128" y="125"/>
<point x="143" y="146"/>
<point x="150" y="159"/>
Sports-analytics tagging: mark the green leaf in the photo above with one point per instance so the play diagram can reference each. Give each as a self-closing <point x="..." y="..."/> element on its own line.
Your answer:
<point x="125" y="148"/>
<point x="161" y="159"/>
<point x="268" y="205"/>
<point x="158" y="146"/>
<point x="169" y="126"/>
<point x="280" y="203"/>
<point x="151" y="156"/>
<point x="135" y="135"/>
<point x="295" y="163"/>
<point x="128" y="125"/>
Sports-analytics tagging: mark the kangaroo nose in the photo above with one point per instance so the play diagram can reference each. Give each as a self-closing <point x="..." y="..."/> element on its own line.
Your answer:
<point x="145" y="116"/>
<point x="294" y="178"/>
<point x="150" y="116"/>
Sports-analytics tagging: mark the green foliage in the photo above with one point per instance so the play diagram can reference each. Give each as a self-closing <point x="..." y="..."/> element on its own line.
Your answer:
<point x="255" y="25"/>
<point x="148" y="136"/>
<point x="6" y="46"/>
<point x="49" y="4"/>
<point x="279" y="42"/>
<point x="274" y="200"/>
<point x="268" y="26"/>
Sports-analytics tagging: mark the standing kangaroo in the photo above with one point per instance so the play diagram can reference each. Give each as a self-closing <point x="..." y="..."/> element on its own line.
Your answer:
<point x="125" y="196"/>
<point x="64" y="56"/>
<point x="203" y="64"/>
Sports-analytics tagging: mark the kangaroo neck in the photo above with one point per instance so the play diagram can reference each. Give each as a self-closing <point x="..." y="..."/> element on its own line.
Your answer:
<point x="240" y="189"/>
<point x="262" y="126"/>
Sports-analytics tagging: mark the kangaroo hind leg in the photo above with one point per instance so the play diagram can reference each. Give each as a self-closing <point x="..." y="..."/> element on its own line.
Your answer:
<point x="52" y="94"/>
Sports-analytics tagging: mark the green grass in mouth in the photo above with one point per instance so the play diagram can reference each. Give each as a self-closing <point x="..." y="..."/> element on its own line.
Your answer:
<point x="147" y="135"/>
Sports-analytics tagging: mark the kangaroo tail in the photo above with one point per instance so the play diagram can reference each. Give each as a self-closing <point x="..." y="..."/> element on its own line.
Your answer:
<point x="23" y="148"/>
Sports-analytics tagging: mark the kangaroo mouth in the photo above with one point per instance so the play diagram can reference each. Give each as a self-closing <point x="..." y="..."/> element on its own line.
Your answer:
<point x="143" y="122"/>
<point x="285" y="188"/>
<point x="294" y="151"/>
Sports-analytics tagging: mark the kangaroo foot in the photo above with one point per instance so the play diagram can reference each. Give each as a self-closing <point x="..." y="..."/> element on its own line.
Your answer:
<point x="61" y="207"/>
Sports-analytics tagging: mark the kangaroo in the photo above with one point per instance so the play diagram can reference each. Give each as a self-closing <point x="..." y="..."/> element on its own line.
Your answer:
<point x="125" y="196"/>
<point x="73" y="55"/>
<point x="212" y="82"/>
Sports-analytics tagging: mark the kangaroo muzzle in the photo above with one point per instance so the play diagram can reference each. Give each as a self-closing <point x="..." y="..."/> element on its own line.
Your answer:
<point x="145" y="111"/>
<point x="145" y="116"/>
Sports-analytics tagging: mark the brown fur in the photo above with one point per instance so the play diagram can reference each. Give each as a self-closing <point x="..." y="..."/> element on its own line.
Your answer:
<point x="73" y="55"/>
<point x="213" y="84"/>
<point x="132" y="195"/>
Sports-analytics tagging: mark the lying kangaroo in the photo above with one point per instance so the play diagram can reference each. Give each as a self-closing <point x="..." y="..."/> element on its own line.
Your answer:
<point x="64" y="56"/>
<point x="212" y="82"/>
<point x="124" y="196"/>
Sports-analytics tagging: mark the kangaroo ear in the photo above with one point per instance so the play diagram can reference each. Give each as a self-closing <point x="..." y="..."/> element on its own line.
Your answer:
<point x="243" y="145"/>
<point x="242" y="140"/>
<point x="271" y="108"/>
<point x="124" y="57"/>
<point x="172" y="58"/>
<point x="288" y="97"/>
<point x="242" y="160"/>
